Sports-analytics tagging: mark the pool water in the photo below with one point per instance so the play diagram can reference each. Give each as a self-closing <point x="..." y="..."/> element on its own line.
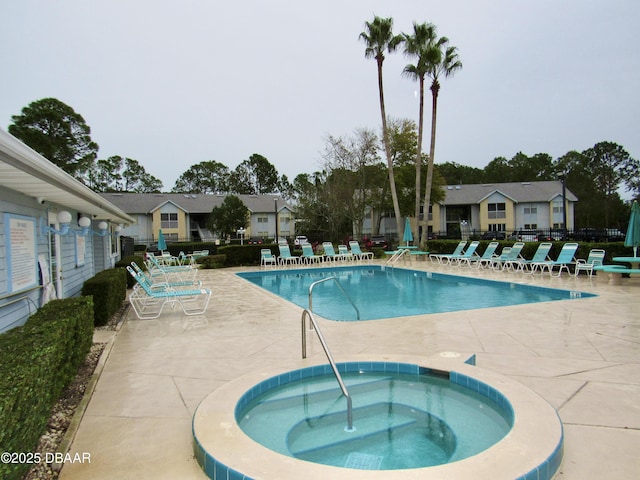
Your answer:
<point x="380" y="292"/>
<point x="401" y="420"/>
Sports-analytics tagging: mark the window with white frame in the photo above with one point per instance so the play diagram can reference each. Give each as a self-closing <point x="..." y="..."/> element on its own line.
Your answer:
<point x="531" y="210"/>
<point x="557" y="207"/>
<point x="497" y="210"/>
<point x="169" y="220"/>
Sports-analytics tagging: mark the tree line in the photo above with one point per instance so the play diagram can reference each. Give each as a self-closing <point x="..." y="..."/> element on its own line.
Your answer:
<point x="62" y="136"/>
<point x="361" y="172"/>
<point x="353" y="181"/>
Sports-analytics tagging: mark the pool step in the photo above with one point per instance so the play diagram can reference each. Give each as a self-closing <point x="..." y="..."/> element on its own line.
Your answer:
<point x="321" y="393"/>
<point x="326" y="437"/>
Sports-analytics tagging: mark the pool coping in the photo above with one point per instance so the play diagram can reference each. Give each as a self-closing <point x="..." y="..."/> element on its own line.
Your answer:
<point x="532" y="449"/>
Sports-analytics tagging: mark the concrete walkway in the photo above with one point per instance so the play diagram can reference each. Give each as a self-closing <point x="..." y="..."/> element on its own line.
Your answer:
<point x="582" y="356"/>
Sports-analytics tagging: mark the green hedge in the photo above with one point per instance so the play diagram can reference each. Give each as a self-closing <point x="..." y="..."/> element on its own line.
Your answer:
<point x="239" y="255"/>
<point x="108" y="289"/>
<point x="37" y="361"/>
<point x="212" y="261"/>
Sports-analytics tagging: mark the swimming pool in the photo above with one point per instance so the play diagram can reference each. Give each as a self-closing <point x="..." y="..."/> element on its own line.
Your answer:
<point x="533" y="447"/>
<point x="404" y="417"/>
<point x="380" y="292"/>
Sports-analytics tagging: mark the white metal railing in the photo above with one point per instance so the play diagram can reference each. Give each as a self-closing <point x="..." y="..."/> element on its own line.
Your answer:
<point x="312" y="286"/>
<point x="307" y="313"/>
<point x="401" y="253"/>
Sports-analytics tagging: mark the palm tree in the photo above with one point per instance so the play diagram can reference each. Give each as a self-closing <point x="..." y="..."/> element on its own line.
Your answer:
<point x="421" y="45"/>
<point x="445" y="64"/>
<point x="379" y="38"/>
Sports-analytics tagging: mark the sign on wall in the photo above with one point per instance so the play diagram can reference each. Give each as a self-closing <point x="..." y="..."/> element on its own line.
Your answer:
<point x="81" y="243"/>
<point x="20" y="234"/>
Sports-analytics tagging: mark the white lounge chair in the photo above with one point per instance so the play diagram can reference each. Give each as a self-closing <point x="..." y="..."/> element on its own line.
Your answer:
<point x="152" y="281"/>
<point x="467" y="254"/>
<point x="358" y="253"/>
<point x="330" y="252"/>
<point x="485" y="259"/>
<point x="285" y="257"/>
<point x="565" y="258"/>
<point x="541" y="255"/>
<point x="308" y="256"/>
<point x="267" y="258"/>
<point x="175" y="273"/>
<point x="442" y="257"/>
<point x="595" y="258"/>
<point x="507" y="257"/>
<point x="343" y="250"/>
<point x="149" y="300"/>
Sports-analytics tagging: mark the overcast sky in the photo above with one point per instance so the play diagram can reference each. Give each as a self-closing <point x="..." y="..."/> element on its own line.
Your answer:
<point x="172" y="84"/>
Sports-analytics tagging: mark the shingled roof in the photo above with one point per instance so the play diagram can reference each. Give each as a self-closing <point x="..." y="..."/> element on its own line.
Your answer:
<point x="519" y="192"/>
<point x="145" y="203"/>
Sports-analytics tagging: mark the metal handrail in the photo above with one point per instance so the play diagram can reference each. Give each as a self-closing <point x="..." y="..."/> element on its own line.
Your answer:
<point x="398" y="255"/>
<point x="341" y="289"/>
<point x="308" y="313"/>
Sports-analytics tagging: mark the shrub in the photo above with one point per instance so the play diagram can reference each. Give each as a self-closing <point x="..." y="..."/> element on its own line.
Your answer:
<point x="238" y="255"/>
<point x="108" y="289"/>
<point x="37" y="361"/>
<point x="127" y="261"/>
<point x="212" y="261"/>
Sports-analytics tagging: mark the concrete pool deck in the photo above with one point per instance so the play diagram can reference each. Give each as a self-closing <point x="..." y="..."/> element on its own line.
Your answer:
<point x="582" y="356"/>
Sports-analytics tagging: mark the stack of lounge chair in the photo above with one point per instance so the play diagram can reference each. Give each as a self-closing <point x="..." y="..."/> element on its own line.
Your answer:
<point x="149" y="296"/>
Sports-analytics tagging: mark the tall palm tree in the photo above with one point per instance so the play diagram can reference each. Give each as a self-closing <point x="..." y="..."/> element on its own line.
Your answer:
<point x="444" y="65"/>
<point x="421" y="46"/>
<point x="379" y="38"/>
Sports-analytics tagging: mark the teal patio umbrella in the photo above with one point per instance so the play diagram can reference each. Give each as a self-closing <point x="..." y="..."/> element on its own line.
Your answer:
<point x="162" y="244"/>
<point x="408" y="235"/>
<point x="632" y="238"/>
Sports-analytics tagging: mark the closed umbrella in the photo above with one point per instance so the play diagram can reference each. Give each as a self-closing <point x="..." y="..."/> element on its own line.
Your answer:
<point x="408" y="235"/>
<point x="162" y="244"/>
<point x="632" y="238"/>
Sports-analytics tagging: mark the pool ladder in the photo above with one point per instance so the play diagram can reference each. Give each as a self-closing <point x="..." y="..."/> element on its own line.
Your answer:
<point x="314" y="326"/>
<point x="307" y="313"/>
<point x="339" y="285"/>
<point x="401" y="253"/>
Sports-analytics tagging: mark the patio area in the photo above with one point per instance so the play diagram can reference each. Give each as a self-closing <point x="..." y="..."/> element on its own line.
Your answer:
<point x="582" y="356"/>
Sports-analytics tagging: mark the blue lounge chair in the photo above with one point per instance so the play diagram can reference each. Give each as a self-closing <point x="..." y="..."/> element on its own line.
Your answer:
<point x="330" y="253"/>
<point x="467" y="254"/>
<point x="173" y="273"/>
<point x="193" y="258"/>
<point x="441" y="257"/>
<point x="308" y="256"/>
<point x="148" y="300"/>
<point x="343" y="250"/>
<point x="541" y="255"/>
<point x="506" y="258"/>
<point x="358" y="253"/>
<point x="285" y="257"/>
<point x="479" y="261"/>
<point x="154" y="282"/>
<point x="595" y="258"/>
<point x="565" y="258"/>
<point x="267" y="258"/>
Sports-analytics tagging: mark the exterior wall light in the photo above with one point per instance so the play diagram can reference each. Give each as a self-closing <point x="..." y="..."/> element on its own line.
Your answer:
<point x="63" y="219"/>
